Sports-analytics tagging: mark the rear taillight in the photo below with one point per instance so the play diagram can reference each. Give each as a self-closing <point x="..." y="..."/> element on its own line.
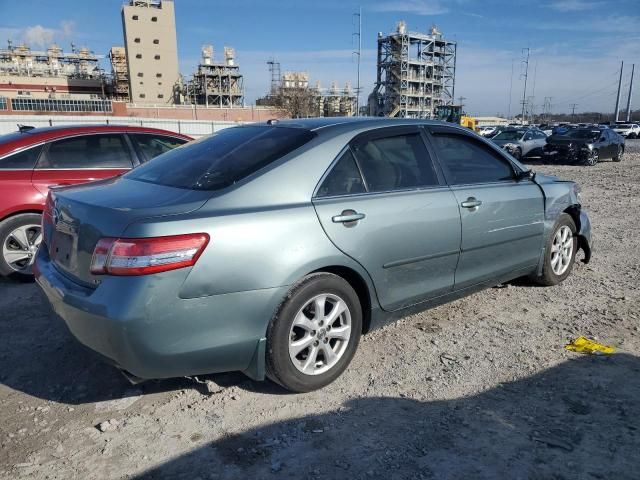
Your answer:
<point x="142" y="256"/>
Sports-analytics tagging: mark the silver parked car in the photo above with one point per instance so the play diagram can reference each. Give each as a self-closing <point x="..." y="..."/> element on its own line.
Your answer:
<point x="521" y="142"/>
<point x="271" y="248"/>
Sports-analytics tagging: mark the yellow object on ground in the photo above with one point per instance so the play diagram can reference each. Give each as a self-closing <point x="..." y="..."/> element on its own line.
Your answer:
<point x="584" y="345"/>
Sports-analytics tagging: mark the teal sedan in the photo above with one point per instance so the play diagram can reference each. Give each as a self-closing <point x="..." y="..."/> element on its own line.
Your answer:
<point x="271" y="248"/>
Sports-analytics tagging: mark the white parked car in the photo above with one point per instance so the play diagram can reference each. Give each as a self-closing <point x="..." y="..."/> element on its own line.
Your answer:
<point x="627" y="130"/>
<point x="487" y="130"/>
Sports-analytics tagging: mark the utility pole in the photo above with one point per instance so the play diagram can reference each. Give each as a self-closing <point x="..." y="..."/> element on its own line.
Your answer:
<point x="618" y="97"/>
<point x="510" y="91"/>
<point x="633" y="67"/>
<point x="359" y="54"/>
<point x="573" y="110"/>
<point x="526" y="75"/>
<point x="547" y="108"/>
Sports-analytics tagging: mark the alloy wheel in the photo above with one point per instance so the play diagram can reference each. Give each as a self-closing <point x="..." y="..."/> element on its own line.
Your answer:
<point x="20" y="246"/>
<point x="320" y="334"/>
<point x="561" y="250"/>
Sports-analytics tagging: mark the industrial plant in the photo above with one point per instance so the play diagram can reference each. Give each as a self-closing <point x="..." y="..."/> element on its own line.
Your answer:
<point x="292" y="93"/>
<point x="415" y="74"/>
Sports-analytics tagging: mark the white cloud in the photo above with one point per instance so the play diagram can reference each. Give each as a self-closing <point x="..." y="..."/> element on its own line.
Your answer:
<point x="37" y="36"/>
<point x="416" y="7"/>
<point x="574" y="5"/>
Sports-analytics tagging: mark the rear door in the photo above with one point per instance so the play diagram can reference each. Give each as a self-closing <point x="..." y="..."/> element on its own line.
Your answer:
<point x="81" y="159"/>
<point x="385" y="205"/>
<point x="612" y="141"/>
<point x="502" y="219"/>
<point x="16" y="190"/>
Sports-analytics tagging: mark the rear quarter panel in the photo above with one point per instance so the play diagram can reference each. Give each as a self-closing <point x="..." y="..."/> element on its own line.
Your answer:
<point x="17" y="193"/>
<point x="252" y="249"/>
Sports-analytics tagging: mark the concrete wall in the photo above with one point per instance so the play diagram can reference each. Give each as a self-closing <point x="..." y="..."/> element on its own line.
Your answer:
<point x="193" y="128"/>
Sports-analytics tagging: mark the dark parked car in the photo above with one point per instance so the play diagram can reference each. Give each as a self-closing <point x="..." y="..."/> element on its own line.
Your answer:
<point x="585" y="145"/>
<point x="33" y="160"/>
<point x="270" y="248"/>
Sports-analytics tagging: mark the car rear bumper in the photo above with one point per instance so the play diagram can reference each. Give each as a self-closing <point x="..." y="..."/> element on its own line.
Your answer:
<point x="141" y="325"/>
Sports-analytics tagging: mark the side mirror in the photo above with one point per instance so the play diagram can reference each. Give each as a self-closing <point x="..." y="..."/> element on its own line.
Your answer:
<point x="525" y="175"/>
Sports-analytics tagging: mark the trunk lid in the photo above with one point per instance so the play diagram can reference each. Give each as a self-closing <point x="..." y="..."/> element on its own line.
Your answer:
<point x="79" y="216"/>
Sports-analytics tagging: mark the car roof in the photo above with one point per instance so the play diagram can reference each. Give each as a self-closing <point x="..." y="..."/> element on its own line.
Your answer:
<point x="33" y="136"/>
<point x="315" y="124"/>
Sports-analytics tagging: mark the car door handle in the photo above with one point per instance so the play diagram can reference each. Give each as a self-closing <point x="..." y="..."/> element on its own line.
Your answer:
<point x="348" y="216"/>
<point x="471" y="202"/>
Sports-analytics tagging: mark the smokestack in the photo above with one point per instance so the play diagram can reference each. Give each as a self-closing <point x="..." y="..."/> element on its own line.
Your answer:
<point x="633" y="67"/>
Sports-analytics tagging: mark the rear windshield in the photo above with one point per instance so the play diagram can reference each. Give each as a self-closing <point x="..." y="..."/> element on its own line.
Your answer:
<point x="220" y="160"/>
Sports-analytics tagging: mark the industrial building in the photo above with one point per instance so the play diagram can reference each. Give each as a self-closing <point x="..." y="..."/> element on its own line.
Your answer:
<point x="51" y="80"/>
<point x="152" y="50"/>
<point x="415" y="74"/>
<point x="119" y="74"/>
<point x="215" y="84"/>
<point x="291" y="92"/>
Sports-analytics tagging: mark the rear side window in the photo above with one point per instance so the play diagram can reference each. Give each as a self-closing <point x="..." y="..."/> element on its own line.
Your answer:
<point x="25" y="159"/>
<point x="88" y="151"/>
<point x="467" y="161"/>
<point x="344" y="178"/>
<point x="222" y="159"/>
<point x="395" y="163"/>
<point x="150" y="146"/>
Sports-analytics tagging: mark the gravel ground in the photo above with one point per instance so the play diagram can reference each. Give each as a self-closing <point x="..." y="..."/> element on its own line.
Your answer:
<point x="479" y="388"/>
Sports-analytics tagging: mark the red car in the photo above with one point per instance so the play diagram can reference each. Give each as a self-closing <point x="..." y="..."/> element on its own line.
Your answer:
<point x="33" y="160"/>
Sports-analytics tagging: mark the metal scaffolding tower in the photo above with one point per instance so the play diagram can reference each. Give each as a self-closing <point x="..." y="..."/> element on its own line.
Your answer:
<point x="120" y="73"/>
<point x="217" y="84"/>
<point x="416" y="73"/>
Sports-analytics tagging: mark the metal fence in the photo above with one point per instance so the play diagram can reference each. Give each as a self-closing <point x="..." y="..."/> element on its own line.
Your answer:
<point x="193" y="128"/>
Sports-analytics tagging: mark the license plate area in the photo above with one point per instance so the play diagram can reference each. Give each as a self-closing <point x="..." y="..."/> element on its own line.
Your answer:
<point x="62" y="248"/>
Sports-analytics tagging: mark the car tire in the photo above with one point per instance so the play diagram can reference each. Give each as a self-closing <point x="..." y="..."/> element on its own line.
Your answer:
<point x="619" y="154"/>
<point x="561" y="246"/>
<point x="296" y="333"/>
<point x="517" y="153"/>
<point x="14" y="233"/>
<point x="592" y="158"/>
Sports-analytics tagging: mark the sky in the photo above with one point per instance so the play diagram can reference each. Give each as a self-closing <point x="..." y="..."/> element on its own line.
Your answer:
<point x="576" y="46"/>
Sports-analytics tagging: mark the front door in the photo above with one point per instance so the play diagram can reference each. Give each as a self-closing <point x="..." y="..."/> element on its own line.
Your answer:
<point x="384" y="205"/>
<point x="502" y="219"/>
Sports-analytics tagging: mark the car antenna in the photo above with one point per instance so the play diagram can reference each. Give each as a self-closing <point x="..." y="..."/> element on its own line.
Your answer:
<point x="25" y="128"/>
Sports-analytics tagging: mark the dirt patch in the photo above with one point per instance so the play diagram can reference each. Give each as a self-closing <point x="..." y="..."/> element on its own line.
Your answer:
<point x="479" y="388"/>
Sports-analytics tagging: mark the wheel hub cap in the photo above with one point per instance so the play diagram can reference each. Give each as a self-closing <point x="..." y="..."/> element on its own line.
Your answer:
<point x="561" y="250"/>
<point x="20" y="246"/>
<point x="320" y="334"/>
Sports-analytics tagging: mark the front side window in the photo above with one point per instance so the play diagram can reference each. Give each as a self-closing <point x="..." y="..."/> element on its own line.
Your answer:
<point x="395" y="163"/>
<point x="150" y="146"/>
<point x="88" y="151"/>
<point x="25" y="159"/>
<point x="344" y="178"/>
<point x="222" y="159"/>
<point x="467" y="161"/>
